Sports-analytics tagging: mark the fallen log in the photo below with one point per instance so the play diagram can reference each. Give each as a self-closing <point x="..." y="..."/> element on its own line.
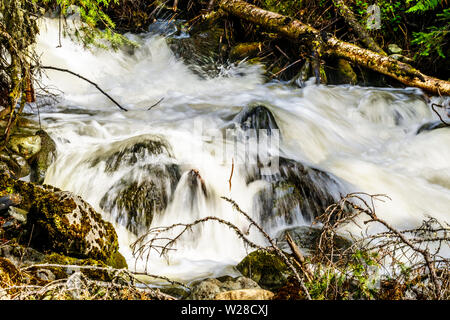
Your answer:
<point x="330" y="45"/>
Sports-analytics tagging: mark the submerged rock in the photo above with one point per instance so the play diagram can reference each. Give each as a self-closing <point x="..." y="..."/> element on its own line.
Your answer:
<point x="256" y="118"/>
<point x="200" y="51"/>
<point x="296" y="190"/>
<point x="293" y="189"/>
<point x="150" y="175"/>
<point x="137" y="197"/>
<point x="434" y="125"/>
<point x="131" y="151"/>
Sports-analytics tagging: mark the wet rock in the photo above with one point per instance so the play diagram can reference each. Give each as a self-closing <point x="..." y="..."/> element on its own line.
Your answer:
<point x="256" y="118"/>
<point x="200" y="51"/>
<point x="42" y="160"/>
<point x="65" y="223"/>
<point x="130" y="151"/>
<point x="394" y="49"/>
<point x="8" y="200"/>
<point x="146" y="186"/>
<point x="18" y="214"/>
<point x="296" y="190"/>
<point x="175" y="291"/>
<point x="307" y="239"/>
<point x="245" y="294"/>
<point x="16" y="164"/>
<point x="267" y="269"/>
<point x="207" y="289"/>
<point x="136" y="198"/>
<point x="345" y="72"/>
<point x="21" y="255"/>
<point x="434" y="125"/>
<point x="26" y="146"/>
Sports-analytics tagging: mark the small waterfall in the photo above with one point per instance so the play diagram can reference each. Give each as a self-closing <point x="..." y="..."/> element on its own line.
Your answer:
<point x="172" y="164"/>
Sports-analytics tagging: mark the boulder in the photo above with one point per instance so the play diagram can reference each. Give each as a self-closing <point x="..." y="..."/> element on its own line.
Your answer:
<point x="245" y="294"/>
<point x="296" y="190"/>
<point x="136" y="198"/>
<point x="208" y="289"/>
<point x="61" y="222"/>
<point x="345" y="73"/>
<point x="307" y="239"/>
<point x="145" y="187"/>
<point x="65" y="223"/>
<point x="293" y="189"/>
<point x="130" y="151"/>
<point x="266" y="269"/>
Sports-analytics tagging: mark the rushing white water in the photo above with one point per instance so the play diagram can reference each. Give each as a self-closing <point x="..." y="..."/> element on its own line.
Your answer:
<point x="364" y="136"/>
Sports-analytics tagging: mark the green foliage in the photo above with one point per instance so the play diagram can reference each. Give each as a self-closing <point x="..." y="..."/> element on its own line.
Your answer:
<point x="354" y="280"/>
<point x="422" y="5"/>
<point x="287" y="7"/>
<point x="93" y="20"/>
<point x="436" y="37"/>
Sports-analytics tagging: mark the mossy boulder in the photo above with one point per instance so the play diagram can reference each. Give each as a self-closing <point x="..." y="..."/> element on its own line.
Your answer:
<point x="267" y="269"/>
<point x="9" y="274"/>
<point x="102" y="273"/>
<point x="61" y="222"/>
<point x="65" y="223"/>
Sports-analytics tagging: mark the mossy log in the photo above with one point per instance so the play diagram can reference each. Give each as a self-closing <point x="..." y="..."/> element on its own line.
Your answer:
<point x="327" y="44"/>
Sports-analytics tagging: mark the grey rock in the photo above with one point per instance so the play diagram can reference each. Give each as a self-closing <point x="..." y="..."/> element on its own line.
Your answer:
<point x="207" y="289"/>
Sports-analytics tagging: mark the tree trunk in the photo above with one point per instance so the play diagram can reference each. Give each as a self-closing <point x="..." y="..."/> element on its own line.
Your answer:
<point x="295" y="29"/>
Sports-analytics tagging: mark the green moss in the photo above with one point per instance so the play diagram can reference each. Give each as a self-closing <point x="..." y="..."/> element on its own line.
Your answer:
<point x="267" y="269"/>
<point x="287" y="7"/>
<point x="117" y="260"/>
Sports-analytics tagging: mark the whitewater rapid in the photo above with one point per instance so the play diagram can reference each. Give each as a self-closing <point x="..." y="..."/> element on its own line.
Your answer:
<point x="364" y="136"/>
